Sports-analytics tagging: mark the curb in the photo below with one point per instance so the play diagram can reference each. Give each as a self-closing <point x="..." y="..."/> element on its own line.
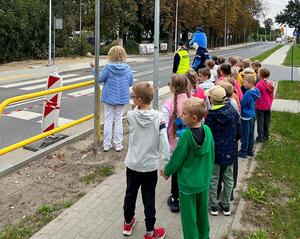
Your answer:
<point x="236" y="224"/>
<point x="43" y="152"/>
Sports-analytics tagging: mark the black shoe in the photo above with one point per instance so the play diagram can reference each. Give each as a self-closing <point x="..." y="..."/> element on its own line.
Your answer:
<point x="259" y="140"/>
<point x="173" y="204"/>
<point x="214" y="211"/>
<point x="224" y="210"/>
<point x="242" y="155"/>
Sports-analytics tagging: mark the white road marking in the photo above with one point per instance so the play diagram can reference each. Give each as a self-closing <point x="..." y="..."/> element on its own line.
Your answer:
<point x="65" y="82"/>
<point x="33" y="81"/>
<point x="24" y="115"/>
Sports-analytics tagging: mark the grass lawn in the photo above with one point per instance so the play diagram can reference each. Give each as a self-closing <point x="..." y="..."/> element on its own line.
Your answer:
<point x="266" y="54"/>
<point x="289" y="90"/>
<point x="288" y="58"/>
<point x="273" y="194"/>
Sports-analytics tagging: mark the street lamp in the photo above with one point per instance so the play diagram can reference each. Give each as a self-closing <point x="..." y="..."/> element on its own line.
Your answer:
<point x="176" y="22"/>
<point x="225" y="25"/>
<point x="156" y="53"/>
<point x="50" y="31"/>
<point x="80" y="19"/>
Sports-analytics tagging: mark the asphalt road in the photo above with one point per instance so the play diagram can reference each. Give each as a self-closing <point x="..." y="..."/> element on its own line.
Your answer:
<point x="22" y="120"/>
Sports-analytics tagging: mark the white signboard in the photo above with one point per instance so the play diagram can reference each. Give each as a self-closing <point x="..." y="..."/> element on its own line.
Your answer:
<point x="58" y="23"/>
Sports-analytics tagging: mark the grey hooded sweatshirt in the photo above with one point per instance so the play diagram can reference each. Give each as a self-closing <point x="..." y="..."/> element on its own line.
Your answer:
<point x="147" y="133"/>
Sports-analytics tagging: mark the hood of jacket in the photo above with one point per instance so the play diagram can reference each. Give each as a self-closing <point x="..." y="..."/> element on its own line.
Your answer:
<point x="145" y="117"/>
<point x="221" y="114"/>
<point x="204" y="148"/>
<point x="254" y="93"/>
<point x="118" y="68"/>
<point x="269" y="86"/>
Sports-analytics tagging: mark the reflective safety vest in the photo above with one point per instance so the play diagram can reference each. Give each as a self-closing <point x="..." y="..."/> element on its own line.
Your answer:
<point x="184" y="63"/>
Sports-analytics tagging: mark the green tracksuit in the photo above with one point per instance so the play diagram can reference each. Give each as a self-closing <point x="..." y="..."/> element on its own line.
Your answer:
<point x="194" y="166"/>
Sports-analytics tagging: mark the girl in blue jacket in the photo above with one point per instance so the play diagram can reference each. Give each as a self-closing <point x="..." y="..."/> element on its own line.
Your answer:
<point x="117" y="77"/>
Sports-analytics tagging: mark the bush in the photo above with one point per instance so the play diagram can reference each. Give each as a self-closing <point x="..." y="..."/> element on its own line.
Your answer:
<point x="76" y="47"/>
<point x="131" y="47"/>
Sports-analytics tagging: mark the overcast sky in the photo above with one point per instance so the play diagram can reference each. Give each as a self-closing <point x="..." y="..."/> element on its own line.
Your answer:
<point x="273" y="8"/>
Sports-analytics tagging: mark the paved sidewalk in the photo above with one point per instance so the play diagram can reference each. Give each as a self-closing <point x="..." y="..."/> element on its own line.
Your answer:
<point x="291" y="106"/>
<point x="278" y="56"/>
<point x="99" y="214"/>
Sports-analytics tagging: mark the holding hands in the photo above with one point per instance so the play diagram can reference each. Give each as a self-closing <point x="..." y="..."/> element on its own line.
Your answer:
<point x="162" y="173"/>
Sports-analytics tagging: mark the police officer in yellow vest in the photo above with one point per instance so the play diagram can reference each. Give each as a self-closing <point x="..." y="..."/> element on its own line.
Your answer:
<point x="181" y="62"/>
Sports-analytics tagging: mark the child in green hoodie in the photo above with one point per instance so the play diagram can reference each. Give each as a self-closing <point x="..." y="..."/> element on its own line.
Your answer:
<point x="193" y="160"/>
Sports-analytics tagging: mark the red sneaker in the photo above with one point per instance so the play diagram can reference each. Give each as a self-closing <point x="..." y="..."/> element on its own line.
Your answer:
<point x="159" y="233"/>
<point x="127" y="228"/>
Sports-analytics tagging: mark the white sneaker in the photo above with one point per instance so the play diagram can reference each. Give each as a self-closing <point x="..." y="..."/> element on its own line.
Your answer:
<point x="119" y="148"/>
<point x="106" y="148"/>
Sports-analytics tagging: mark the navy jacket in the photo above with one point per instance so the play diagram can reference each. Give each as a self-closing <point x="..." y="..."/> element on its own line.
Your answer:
<point x="201" y="56"/>
<point x="225" y="125"/>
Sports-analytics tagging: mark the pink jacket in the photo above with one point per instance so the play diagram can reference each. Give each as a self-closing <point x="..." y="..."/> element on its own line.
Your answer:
<point x="265" y="100"/>
<point x="199" y="93"/>
<point x="169" y="104"/>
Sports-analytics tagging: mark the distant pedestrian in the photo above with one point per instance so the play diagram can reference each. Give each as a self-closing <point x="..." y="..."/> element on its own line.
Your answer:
<point x="181" y="63"/>
<point x="142" y="160"/>
<point x="193" y="160"/>
<point x="117" y="77"/>
<point x="172" y="112"/>
<point x="248" y="115"/>
<point x="225" y="125"/>
<point x="263" y="105"/>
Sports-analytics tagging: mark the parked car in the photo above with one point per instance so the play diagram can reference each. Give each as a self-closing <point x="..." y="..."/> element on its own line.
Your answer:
<point x="278" y="40"/>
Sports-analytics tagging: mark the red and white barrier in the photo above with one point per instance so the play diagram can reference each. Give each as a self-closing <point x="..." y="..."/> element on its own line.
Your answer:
<point x="52" y="103"/>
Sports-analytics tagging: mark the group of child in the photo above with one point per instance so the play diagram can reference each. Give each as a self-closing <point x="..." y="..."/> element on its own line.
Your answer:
<point x="196" y="134"/>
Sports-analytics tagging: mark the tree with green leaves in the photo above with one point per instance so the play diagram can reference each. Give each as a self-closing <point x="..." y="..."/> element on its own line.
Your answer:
<point x="290" y="15"/>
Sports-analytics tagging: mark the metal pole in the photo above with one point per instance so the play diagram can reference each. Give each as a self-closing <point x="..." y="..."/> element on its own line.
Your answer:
<point x="176" y="22"/>
<point x="156" y="53"/>
<point x="225" y="25"/>
<point x="80" y="19"/>
<point x="96" y="86"/>
<point x="292" y="68"/>
<point x="54" y="28"/>
<point x="50" y="31"/>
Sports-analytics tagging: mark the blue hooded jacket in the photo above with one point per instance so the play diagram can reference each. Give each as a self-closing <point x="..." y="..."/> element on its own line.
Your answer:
<point x="248" y="103"/>
<point x="117" y="78"/>
<point x="225" y="125"/>
<point x="199" y="37"/>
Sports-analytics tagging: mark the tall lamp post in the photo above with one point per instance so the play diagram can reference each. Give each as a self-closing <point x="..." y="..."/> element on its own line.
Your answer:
<point x="176" y="22"/>
<point x="156" y="53"/>
<point x="225" y="25"/>
<point x="80" y="19"/>
<point x="96" y="86"/>
<point x="50" y="33"/>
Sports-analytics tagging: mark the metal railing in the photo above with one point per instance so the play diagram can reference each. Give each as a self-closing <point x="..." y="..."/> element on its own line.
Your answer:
<point x="53" y="131"/>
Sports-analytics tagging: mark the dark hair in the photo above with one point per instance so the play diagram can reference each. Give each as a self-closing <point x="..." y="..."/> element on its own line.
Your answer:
<point x="264" y="73"/>
<point x="226" y="69"/>
<point x="180" y="84"/>
<point x="205" y="72"/>
<point x="220" y="60"/>
<point x="192" y="77"/>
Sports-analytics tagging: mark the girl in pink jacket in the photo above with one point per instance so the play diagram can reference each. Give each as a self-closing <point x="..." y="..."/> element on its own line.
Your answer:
<point x="263" y="105"/>
<point x="172" y="111"/>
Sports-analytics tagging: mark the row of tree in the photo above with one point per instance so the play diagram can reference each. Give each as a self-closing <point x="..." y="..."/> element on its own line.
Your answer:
<point x="24" y="23"/>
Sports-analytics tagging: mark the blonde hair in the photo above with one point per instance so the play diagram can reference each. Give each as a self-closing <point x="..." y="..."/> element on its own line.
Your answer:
<point x="227" y="87"/>
<point x="195" y="106"/>
<point x="250" y="78"/>
<point x="256" y="63"/>
<point x="144" y="91"/>
<point x="246" y="63"/>
<point x="117" y="54"/>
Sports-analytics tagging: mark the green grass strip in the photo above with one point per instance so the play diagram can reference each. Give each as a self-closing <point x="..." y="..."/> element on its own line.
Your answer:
<point x="274" y="189"/>
<point x="288" y="58"/>
<point x="288" y="90"/>
<point x="266" y="54"/>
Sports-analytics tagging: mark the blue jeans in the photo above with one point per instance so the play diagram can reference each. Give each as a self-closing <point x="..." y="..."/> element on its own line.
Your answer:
<point x="247" y="140"/>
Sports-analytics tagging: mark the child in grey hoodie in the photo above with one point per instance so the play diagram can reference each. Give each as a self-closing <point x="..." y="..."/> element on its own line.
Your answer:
<point x="147" y="132"/>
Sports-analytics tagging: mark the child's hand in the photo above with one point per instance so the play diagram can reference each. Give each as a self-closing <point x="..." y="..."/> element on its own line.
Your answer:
<point x="92" y="64"/>
<point x="162" y="173"/>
